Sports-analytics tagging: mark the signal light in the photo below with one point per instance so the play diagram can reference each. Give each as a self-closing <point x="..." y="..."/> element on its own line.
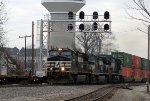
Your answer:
<point x="70" y="27"/>
<point x="106" y="27"/>
<point x="106" y="15"/>
<point x="70" y="15"/>
<point x="95" y="26"/>
<point x="81" y="27"/>
<point x="95" y="15"/>
<point x="81" y="15"/>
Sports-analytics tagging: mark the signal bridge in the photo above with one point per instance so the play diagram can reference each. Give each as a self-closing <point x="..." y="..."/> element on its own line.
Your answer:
<point x="99" y="25"/>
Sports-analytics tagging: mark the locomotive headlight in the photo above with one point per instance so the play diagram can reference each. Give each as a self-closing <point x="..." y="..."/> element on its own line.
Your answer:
<point x="62" y="69"/>
<point x="60" y="49"/>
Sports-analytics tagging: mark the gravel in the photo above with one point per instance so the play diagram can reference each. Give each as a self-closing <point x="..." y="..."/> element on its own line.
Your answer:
<point x="136" y="94"/>
<point x="46" y="93"/>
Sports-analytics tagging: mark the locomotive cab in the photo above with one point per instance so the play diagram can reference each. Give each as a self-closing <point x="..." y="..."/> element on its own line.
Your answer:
<point x="60" y="60"/>
<point x="61" y="64"/>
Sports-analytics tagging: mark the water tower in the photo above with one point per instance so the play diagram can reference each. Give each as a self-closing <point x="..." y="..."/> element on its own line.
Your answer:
<point x="59" y="36"/>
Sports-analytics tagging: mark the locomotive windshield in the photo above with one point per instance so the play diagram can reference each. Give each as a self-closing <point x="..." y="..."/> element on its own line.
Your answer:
<point x="54" y="53"/>
<point x="66" y="54"/>
<point x="63" y="55"/>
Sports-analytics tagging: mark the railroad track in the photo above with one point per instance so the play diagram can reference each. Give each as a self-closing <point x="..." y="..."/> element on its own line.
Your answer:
<point x="98" y="95"/>
<point x="104" y="93"/>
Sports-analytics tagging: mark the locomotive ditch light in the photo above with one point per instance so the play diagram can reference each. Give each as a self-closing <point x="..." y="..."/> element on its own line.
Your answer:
<point x="62" y="69"/>
<point x="81" y="27"/>
<point x="106" y="27"/>
<point x="95" y="15"/>
<point x="70" y="27"/>
<point x="95" y="26"/>
<point x="106" y="15"/>
<point x="81" y="15"/>
<point x="70" y="15"/>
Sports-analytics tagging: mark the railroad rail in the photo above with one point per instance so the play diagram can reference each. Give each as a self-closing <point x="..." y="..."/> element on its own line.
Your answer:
<point x="20" y="85"/>
<point x="125" y="85"/>
<point x="41" y="85"/>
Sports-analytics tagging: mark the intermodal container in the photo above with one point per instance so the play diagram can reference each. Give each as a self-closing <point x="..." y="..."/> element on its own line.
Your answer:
<point x="145" y="64"/>
<point x="126" y="59"/>
<point x="126" y="72"/>
<point x="137" y="74"/>
<point x="145" y="73"/>
<point x="136" y="62"/>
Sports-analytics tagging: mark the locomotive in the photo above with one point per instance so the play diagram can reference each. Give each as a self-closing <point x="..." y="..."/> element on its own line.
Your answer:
<point x="66" y="65"/>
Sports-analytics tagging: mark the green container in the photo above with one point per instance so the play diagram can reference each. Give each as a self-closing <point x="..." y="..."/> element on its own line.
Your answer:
<point x="106" y="56"/>
<point x="126" y="59"/>
<point x="145" y="64"/>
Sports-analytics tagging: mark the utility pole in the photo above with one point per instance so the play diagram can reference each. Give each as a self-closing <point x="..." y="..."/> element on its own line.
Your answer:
<point x="25" y="37"/>
<point x="33" y="68"/>
<point x="148" y="56"/>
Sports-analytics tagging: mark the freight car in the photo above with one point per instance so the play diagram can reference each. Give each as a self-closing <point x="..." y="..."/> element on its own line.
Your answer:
<point x="24" y="79"/>
<point x="68" y="66"/>
<point x="133" y="68"/>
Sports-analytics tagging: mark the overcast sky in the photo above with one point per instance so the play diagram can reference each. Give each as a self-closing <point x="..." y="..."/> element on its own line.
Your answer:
<point x="21" y="13"/>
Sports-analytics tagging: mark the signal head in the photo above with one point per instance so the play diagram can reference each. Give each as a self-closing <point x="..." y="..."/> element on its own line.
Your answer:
<point x="95" y="15"/>
<point x="81" y="27"/>
<point x="81" y="15"/>
<point x="70" y="15"/>
<point x="106" y="15"/>
<point x="106" y="27"/>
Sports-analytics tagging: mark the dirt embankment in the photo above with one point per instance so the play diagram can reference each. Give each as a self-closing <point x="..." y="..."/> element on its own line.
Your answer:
<point x="136" y="94"/>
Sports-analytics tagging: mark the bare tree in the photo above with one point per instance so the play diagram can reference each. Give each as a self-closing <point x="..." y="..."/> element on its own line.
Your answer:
<point x="108" y="44"/>
<point x="142" y="14"/>
<point x="104" y="43"/>
<point x="141" y="11"/>
<point x="3" y="19"/>
<point x="87" y="41"/>
<point x="95" y="43"/>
